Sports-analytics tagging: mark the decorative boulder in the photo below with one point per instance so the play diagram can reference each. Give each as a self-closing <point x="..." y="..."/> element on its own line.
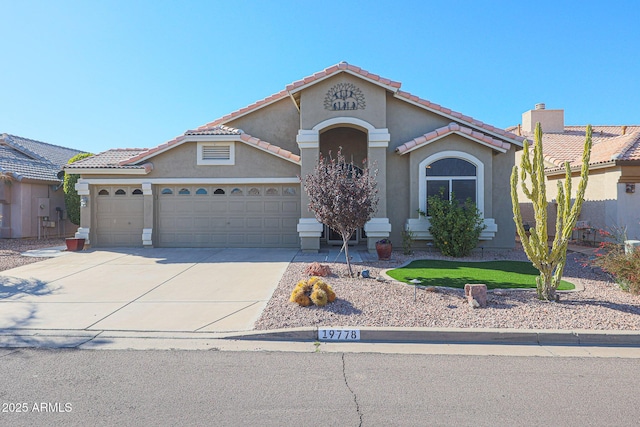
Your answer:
<point x="476" y="294"/>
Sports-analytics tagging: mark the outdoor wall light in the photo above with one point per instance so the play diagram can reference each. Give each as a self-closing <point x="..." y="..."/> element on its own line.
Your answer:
<point x="631" y="188"/>
<point x="83" y="201"/>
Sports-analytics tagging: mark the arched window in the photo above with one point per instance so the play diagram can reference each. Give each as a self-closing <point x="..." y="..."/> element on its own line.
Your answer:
<point x="103" y="192"/>
<point x="452" y="172"/>
<point x="184" y="191"/>
<point x="219" y="191"/>
<point x="120" y="192"/>
<point x="137" y="192"/>
<point x="201" y="191"/>
<point x="167" y="191"/>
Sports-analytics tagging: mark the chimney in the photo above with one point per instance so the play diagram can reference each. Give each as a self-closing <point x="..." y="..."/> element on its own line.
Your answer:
<point x="550" y="120"/>
<point x="624" y="130"/>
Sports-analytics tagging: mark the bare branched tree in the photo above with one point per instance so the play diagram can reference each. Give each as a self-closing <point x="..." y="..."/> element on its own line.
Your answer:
<point x="342" y="196"/>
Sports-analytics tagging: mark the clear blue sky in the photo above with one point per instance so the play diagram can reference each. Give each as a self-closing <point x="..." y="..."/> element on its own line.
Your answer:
<point x="95" y="75"/>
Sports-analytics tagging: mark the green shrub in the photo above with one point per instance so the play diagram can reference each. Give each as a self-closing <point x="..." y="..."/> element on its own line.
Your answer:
<point x="455" y="226"/>
<point x="71" y="199"/>
<point x="623" y="267"/>
<point x="408" y="238"/>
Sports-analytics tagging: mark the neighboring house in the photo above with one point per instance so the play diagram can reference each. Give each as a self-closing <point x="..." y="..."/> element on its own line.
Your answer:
<point x="235" y="181"/>
<point x="614" y="170"/>
<point x="31" y="195"/>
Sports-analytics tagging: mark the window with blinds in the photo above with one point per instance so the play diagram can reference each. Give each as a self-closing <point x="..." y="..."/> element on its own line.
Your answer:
<point x="216" y="153"/>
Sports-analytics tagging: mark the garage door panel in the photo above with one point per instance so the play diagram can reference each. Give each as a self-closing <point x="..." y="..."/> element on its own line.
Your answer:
<point x="254" y="223"/>
<point x="119" y="218"/>
<point x="290" y="207"/>
<point x="236" y="206"/>
<point x="272" y="223"/>
<point x="251" y="216"/>
<point x="255" y="206"/>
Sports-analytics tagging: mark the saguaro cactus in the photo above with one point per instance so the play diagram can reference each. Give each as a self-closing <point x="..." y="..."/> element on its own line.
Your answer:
<point x="550" y="261"/>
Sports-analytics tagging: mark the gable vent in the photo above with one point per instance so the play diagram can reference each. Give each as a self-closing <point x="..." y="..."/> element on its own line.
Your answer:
<point x="216" y="152"/>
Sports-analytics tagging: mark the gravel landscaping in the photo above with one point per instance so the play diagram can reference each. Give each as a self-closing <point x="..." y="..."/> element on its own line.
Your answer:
<point x="10" y="250"/>
<point x="369" y="302"/>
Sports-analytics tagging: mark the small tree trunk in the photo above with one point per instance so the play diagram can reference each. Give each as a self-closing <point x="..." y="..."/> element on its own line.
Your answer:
<point x="345" y="242"/>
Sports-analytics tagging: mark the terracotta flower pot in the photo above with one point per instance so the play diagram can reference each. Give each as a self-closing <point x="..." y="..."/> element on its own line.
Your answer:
<point x="74" y="244"/>
<point x="384" y="251"/>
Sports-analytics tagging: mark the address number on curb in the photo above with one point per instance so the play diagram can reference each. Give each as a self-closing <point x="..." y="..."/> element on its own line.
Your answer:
<point x="339" y="334"/>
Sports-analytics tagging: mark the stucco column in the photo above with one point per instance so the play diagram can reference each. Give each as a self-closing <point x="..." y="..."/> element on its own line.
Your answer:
<point x="147" y="223"/>
<point x="309" y="228"/>
<point x="378" y="227"/>
<point x="85" y="211"/>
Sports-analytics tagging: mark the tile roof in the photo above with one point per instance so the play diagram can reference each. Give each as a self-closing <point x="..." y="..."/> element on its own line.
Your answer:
<point x="274" y="149"/>
<point x="28" y="158"/>
<point x="130" y="158"/>
<point x="609" y="144"/>
<point x="216" y="130"/>
<point x="447" y="130"/>
<point x="392" y="85"/>
<point x="108" y="159"/>
<point x="217" y="127"/>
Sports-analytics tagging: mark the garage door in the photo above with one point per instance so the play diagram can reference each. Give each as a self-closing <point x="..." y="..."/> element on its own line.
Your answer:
<point x="120" y="213"/>
<point x="228" y="216"/>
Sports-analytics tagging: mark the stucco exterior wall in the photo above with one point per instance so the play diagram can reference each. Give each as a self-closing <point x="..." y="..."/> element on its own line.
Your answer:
<point x="22" y="218"/>
<point x="180" y="162"/>
<point x="312" y="102"/>
<point x="276" y="124"/>
<point x="501" y="206"/>
<point x="406" y="121"/>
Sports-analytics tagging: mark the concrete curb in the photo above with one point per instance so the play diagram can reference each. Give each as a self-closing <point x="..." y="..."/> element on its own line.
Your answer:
<point x="458" y="336"/>
<point x="199" y="340"/>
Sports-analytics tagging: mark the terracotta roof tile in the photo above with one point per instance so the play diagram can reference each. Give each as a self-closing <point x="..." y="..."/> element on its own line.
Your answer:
<point x="108" y="159"/>
<point x="265" y="146"/>
<point x="445" y="130"/>
<point x="609" y="144"/>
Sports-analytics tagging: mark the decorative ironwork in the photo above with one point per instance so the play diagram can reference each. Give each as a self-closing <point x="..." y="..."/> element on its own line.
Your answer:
<point x="344" y="96"/>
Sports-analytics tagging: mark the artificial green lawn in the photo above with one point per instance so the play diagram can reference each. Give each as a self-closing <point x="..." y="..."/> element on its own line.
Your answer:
<point x="454" y="274"/>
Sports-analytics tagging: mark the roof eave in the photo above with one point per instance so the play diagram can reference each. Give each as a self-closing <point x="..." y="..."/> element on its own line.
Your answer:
<point x="144" y="170"/>
<point x="479" y="141"/>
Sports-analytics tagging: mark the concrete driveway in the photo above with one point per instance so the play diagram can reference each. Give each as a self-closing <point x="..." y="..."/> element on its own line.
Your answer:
<point x="174" y="290"/>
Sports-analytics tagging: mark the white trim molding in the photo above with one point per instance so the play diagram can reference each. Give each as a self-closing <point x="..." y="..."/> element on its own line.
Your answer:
<point x="422" y="176"/>
<point x="83" y="233"/>
<point x="201" y="161"/>
<point x="147" y="189"/>
<point x="420" y="228"/>
<point x="378" y="228"/>
<point x="188" y="181"/>
<point x="309" y="227"/>
<point x="82" y="187"/>
<point x="310" y="138"/>
<point x="146" y="236"/>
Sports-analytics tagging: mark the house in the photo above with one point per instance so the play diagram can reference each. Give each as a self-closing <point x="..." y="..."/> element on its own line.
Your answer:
<point x="614" y="170"/>
<point x="31" y="195"/>
<point x="236" y="180"/>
